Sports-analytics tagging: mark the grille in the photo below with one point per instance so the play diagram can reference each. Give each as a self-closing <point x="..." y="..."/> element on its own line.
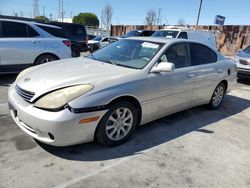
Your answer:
<point x="244" y="62"/>
<point x="26" y="95"/>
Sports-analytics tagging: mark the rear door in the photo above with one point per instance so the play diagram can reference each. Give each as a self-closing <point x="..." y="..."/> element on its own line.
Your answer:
<point x="206" y="72"/>
<point x="18" y="45"/>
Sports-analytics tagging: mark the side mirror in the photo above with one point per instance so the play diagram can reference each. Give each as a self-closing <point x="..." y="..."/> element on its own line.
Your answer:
<point x="163" y="67"/>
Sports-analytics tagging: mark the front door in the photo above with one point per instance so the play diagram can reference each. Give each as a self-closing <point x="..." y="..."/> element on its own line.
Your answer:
<point x="170" y="91"/>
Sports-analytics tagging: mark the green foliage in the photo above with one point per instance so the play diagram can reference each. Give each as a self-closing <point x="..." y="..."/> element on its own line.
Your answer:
<point x="44" y="18"/>
<point x="87" y="19"/>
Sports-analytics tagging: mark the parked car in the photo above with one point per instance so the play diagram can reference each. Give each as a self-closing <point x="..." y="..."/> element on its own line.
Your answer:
<point x="128" y="83"/>
<point x="77" y="34"/>
<point x="23" y="44"/>
<point x="90" y="37"/>
<point x="133" y="33"/>
<point x="98" y="42"/>
<point x="243" y="63"/>
<point x="205" y="37"/>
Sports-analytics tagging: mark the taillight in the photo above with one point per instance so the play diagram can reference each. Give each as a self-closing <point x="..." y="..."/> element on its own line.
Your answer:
<point x="86" y="40"/>
<point x="67" y="43"/>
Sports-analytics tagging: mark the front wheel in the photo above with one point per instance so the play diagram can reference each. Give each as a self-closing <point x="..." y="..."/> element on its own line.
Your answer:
<point x="217" y="96"/>
<point x="117" y="125"/>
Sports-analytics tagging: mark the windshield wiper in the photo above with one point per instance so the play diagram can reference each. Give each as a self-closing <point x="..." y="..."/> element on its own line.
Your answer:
<point x="110" y="61"/>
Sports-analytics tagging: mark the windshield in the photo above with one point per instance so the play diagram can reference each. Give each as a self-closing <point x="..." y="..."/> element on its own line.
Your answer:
<point x="247" y="50"/>
<point x="128" y="53"/>
<point x="133" y="33"/>
<point x="166" y="33"/>
<point x="97" y="39"/>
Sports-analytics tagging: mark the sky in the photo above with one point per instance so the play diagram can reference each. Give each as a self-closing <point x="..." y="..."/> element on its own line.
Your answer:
<point x="133" y="12"/>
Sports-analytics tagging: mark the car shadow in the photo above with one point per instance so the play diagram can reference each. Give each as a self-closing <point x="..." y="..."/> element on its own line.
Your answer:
<point x="155" y="133"/>
<point x="243" y="81"/>
<point x="7" y="79"/>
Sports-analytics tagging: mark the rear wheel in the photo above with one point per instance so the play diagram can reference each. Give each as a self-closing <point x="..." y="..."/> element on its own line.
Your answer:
<point x="75" y="52"/>
<point x="44" y="59"/>
<point x="217" y="96"/>
<point x="117" y="125"/>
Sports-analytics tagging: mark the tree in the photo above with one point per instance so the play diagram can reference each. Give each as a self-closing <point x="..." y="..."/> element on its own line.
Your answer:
<point x="88" y="19"/>
<point x="151" y="17"/>
<point x="43" y="18"/>
<point x="181" y="22"/>
<point x="107" y="13"/>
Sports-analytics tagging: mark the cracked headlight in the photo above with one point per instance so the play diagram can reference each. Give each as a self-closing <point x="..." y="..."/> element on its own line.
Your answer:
<point x="59" y="98"/>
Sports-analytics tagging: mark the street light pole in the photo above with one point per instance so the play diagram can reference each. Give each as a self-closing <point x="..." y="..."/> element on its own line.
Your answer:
<point x="198" y="17"/>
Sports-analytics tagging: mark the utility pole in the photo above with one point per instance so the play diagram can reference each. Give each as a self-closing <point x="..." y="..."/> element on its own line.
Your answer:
<point x="62" y="11"/>
<point x="159" y="16"/>
<point x="35" y="8"/>
<point x="198" y="17"/>
<point x="43" y="10"/>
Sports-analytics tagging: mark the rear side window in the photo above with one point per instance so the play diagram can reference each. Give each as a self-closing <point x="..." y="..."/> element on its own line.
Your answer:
<point x="57" y="32"/>
<point x="76" y="30"/>
<point x="32" y="32"/>
<point x="183" y="35"/>
<point x="14" y="30"/>
<point x="201" y="54"/>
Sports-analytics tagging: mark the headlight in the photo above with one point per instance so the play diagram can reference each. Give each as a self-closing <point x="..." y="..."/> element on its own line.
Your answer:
<point x="59" y="98"/>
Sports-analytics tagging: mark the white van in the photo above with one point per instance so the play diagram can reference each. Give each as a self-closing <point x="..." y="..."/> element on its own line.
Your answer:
<point x="206" y="37"/>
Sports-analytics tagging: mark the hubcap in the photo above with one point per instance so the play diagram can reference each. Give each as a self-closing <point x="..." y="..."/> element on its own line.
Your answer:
<point x="45" y="60"/>
<point x="218" y="95"/>
<point x="119" y="123"/>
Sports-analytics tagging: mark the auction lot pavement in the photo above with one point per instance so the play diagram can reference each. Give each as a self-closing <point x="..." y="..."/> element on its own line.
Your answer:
<point x="193" y="148"/>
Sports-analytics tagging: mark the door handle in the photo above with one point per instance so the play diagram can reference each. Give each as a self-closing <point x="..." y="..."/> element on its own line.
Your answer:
<point x="191" y="75"/>
<point x="34" y="41"/>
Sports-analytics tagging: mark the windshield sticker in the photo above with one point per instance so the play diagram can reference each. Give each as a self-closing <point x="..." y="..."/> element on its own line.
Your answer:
<point x="169" y="36"/>
<point x="149" y="45"/>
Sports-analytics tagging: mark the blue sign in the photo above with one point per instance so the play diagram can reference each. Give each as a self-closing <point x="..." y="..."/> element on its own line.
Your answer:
<point x="220" y="20"/>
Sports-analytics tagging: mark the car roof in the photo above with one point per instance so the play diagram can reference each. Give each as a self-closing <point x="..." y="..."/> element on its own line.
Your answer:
<point x="29" y="22"/>
<point x="167" y="40"/>
<point x="157" y="39"/>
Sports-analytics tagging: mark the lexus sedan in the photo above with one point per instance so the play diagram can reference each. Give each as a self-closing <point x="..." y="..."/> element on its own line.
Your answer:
<point x="124" y="85"/>
<point x="243" y="63"/>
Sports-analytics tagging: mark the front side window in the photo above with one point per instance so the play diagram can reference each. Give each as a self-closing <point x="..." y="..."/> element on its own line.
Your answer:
<point x="201" y="54"/>
<point x="177" y="54"/>
<point x="32" y="32"/>
<point x="14" y="30"/>
<point x="128" y="53"/>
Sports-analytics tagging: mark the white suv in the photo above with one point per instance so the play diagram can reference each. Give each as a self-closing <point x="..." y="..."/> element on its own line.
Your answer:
<point x="23" y="44"/>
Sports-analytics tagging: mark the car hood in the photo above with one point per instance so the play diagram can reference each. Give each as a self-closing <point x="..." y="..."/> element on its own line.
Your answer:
<point x="63" y="73"/>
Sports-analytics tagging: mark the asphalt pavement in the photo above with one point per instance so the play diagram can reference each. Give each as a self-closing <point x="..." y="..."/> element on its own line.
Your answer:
<point x="193" y="148"/>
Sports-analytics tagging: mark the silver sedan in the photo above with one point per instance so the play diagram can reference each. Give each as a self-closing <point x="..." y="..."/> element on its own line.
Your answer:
<point x="126" y="84"/>
<point x="243" y="63"/>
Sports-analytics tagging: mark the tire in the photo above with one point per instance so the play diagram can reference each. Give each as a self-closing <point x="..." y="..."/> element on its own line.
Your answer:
<point x="75" y="52"/>
<point x="217" y="96"/>
<point x="113" y="130"/>
<point x="44" y="59"/>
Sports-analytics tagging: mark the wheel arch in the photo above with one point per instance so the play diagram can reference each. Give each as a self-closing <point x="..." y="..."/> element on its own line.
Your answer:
<point x="46" y="53"/>
<point x="131" y="99"/>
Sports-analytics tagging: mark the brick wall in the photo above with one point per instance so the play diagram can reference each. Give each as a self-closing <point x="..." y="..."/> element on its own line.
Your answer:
<point x="230" y="38"/>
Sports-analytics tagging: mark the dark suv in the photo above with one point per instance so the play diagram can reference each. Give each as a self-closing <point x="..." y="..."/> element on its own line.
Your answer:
<point x="77" y="34"/>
